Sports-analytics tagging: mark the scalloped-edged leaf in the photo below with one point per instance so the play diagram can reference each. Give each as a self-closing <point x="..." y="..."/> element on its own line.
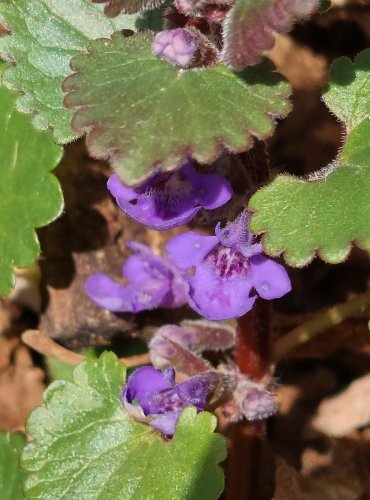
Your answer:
<point x="30" y="196"/>
<point x="348" y="94"/>
<point x="249" y="27"/>
<point x="140" y="111"/>
<point x="114" y="7"/>
<point x="86" y="446"/>
<point x="45" y="35"/>
<point x="11" y="475"/>
<point x="301" y="218"/>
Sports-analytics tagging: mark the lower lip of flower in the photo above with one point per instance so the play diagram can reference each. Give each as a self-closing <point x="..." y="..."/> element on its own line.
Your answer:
<point x="228" y="262"/>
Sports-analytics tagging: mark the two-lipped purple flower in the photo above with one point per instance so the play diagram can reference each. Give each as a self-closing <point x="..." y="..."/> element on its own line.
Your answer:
<point x="170" y="199"/>
<point x="152" y="396"/>
<point x="227" y="268"/>
<point x="152" y="281"/>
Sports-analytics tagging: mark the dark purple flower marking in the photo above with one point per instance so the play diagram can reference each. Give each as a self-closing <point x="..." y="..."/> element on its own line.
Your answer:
<point x="171" y="199"/>
<point x="152" y="281"/>
<point x="177" y="46"/>
<point x="152" y="396"/>
<point x="227" y="267"/>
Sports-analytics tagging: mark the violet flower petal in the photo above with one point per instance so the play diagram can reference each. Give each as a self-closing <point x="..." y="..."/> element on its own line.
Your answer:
<point x="137" y="269"/>
<point x="218" y="298"/>
<point x="189" y="249"/>
<point x="160" y="268"/>
<point x="110" y="295"/>
<point x="269" y="278"/>
<point x="145" y="381"/>
<point x="166" y="422"/>
<point x="118" y="189"/>
<point x="210" y="190"/>
<point x="107" y="293"/>
<point x="195" y="390"/>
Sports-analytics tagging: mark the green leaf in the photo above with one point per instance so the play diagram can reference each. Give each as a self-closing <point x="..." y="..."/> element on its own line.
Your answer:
<point x="357" y="148"/>
<point x="301" y="218"/>
<point x="11" y="476"/>
<point x="29" y="195"/>
<point x="348" y="94"/>
<point x="46" y="34"/>
<point x="86" y="446"/>
<point x="141" y="111"/>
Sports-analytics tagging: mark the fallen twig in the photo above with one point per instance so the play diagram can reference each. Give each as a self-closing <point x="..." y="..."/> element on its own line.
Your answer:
<point x="43" y="344"/>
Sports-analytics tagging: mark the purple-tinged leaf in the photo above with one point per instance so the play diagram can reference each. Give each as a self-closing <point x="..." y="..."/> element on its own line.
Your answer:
<point x="141" y="112"/>
<point x="250" y="400"/>
<point x="210" y="335"/>
<point x="171" y="345"/>
<point x="250" y="25"/>
<point x="168" y="348"/>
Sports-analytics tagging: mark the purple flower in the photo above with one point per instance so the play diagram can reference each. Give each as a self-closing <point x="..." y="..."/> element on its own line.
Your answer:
<point x="228" y="267"/>
<point x="170" y="199"/>
<point x="177" y="46"/>
<point x="152" y="396"/>
<point x="152" y="281"/>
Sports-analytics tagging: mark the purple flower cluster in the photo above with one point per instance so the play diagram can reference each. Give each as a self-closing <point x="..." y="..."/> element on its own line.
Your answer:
<point x="178" y="46"/>
<point x="185" y="48"/>
<point x="152" y="396"/>
<point x="227" y="268"/>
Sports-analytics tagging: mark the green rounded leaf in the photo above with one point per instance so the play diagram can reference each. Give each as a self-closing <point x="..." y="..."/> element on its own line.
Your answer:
<point x="301" y="218"/>
<point x="30" y="196"/>
<point x="45" y="35"/>
<point x="11" y="476"/>
<point x="86" y="446"/>
<point x="140" y="111"/>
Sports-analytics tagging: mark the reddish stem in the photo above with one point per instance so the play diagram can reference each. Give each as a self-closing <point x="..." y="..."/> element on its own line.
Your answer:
<point x="252" y="357"/>
<point x="252" y="349"/>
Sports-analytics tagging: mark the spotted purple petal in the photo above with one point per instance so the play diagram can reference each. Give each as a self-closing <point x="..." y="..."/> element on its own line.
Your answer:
<point x="216" y="298"/>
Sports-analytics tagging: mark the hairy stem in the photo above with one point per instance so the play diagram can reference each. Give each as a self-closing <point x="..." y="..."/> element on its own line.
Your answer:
<point x="331" y="317"/>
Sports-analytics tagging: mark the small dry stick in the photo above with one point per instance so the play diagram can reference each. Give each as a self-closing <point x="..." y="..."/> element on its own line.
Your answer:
<point x="42" y="343"/>
<point x="323" y="321"/>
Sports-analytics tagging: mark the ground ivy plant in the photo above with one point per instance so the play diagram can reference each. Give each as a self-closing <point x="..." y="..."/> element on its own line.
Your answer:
<point x="172" y="94"/>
